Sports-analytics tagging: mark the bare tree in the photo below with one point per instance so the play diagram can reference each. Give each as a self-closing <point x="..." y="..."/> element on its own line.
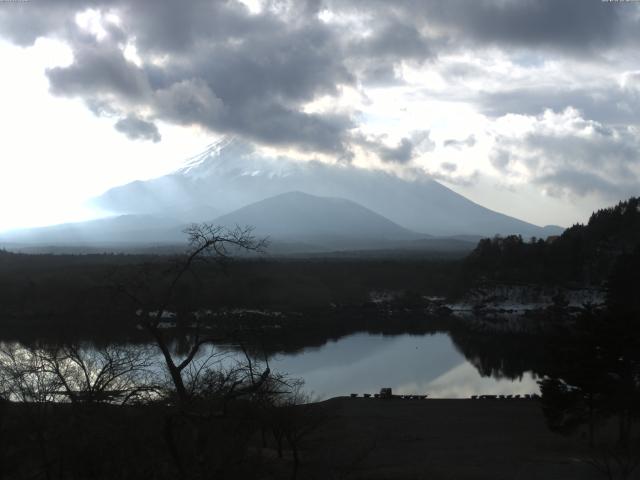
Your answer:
<point x="24" y="376"/>
<point x="206" y="242"/>
<point x="53" y="374"/>
<point x="292" y="418"/>
<point x="615" y="462"/>
<point x="108" y="374"/>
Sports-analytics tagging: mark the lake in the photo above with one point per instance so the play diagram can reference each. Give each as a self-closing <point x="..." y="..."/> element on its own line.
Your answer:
<point x="420" y="364"/>
<point x="410" y="364"/>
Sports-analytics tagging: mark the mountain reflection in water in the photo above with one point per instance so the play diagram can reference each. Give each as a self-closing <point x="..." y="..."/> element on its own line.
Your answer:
<point x="420" y="364"/>
<point x="457" y="364"/>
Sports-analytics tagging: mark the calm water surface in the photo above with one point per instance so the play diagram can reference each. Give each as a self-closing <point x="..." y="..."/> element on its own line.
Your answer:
<point x="364" y="363"/>
<point x="410" y="364"/>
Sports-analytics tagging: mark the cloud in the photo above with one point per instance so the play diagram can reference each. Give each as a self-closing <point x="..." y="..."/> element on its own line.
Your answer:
<point x="394" y="39"/>
<point x="23" y="22"/>
<point x="189" y="102"/>
<point x="456" y="70"/>
<point x="376" y="56"/>
<point x="607" y="103"/>
<point x="403" y="152"/>
<point x="500" y="157"/>
<point x="448" y="172"/>
<point x="220" y="67"/>
<point x="468" y="142"/>
<point x="136" y="128"/>
<point x="572" y="26"/>
<point x="99" y="70"/>
<point x="449" y="167"/>
<point x="380" y="75"/>
<point x="210" y="64"/>
<point x="569" y="156"/>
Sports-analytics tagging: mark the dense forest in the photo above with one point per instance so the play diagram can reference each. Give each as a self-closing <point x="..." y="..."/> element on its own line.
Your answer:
<point x="82" y="294"/>
<point x="583" y="254"/>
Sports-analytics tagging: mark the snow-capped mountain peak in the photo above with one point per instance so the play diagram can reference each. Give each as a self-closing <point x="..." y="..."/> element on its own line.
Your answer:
<point x="200" y="165"/>
<point x="231" y="174"/>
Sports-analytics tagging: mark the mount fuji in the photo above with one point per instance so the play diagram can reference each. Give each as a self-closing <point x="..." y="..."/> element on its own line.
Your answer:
<point x="230" y="175"/>
<point x="302" y="206"/>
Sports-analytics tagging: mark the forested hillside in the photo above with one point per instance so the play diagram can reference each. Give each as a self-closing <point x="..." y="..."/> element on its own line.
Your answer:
<point x="583" y="254"/>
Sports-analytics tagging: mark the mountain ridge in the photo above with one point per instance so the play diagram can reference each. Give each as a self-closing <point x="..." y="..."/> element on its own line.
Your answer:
<point x="327" y="221"/>
<point x="294" y="223"/>
<point x="229" y="175"/>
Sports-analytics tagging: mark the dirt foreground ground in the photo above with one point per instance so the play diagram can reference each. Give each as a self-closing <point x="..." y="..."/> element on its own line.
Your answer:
<point x="440" y="439"/>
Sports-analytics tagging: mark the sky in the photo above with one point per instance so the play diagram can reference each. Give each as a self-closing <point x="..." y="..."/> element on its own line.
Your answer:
<point x="531" y="108"/>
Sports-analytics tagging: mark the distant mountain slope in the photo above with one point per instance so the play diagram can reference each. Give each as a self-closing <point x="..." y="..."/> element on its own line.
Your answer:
<point x="321" y="222"/>
<point x="120" y="229"/>
<point x="162" y="227"/>
<point x="295" y="222"/>
<point x="229" y="175"/>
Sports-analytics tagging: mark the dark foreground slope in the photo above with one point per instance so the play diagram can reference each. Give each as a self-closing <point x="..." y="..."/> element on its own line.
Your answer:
<point x="346" y="439"/>
<point x="442" y="439"/>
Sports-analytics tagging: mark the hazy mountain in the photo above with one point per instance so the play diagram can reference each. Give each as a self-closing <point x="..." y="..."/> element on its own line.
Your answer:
<point x="230" y="175"/>
<point x="159" y="228"/>
<point x="294" y="222"/>
<point x="302" y="206"/>
<point x="319" y="222"/>
<point x="120" y="229"/>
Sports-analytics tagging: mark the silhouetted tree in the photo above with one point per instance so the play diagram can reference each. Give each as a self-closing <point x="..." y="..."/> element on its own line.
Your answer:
<point x="596" y="372"/>
<point x="291" y="419"/>
<point x="583" y="253"/>
<point x="578" y="386"/>
<point x="206" y="242"/>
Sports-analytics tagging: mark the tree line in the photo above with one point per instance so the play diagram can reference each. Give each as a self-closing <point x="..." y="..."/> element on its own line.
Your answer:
<point x="125" y="411"/>
<point x="583" y="254"/>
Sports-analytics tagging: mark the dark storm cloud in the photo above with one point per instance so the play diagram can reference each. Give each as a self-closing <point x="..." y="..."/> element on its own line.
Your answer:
<point x="272" y="123"/>
<point x="609" y="103"/>
<point x="212" y="64"/>
<point x="165" y="26"/>
<point x="216" y="65"/>
<point x="393" y="39"/>
<point x="188" y="102"/>
<point x="24" y="22"/>
<point x="99" y="69"/>
<point x="570" y="25"/>
<point x="528" y="32"/>
<point x="136" y="128"/>
<point x="380" y="75"/>
<point x="576" y="25"/>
